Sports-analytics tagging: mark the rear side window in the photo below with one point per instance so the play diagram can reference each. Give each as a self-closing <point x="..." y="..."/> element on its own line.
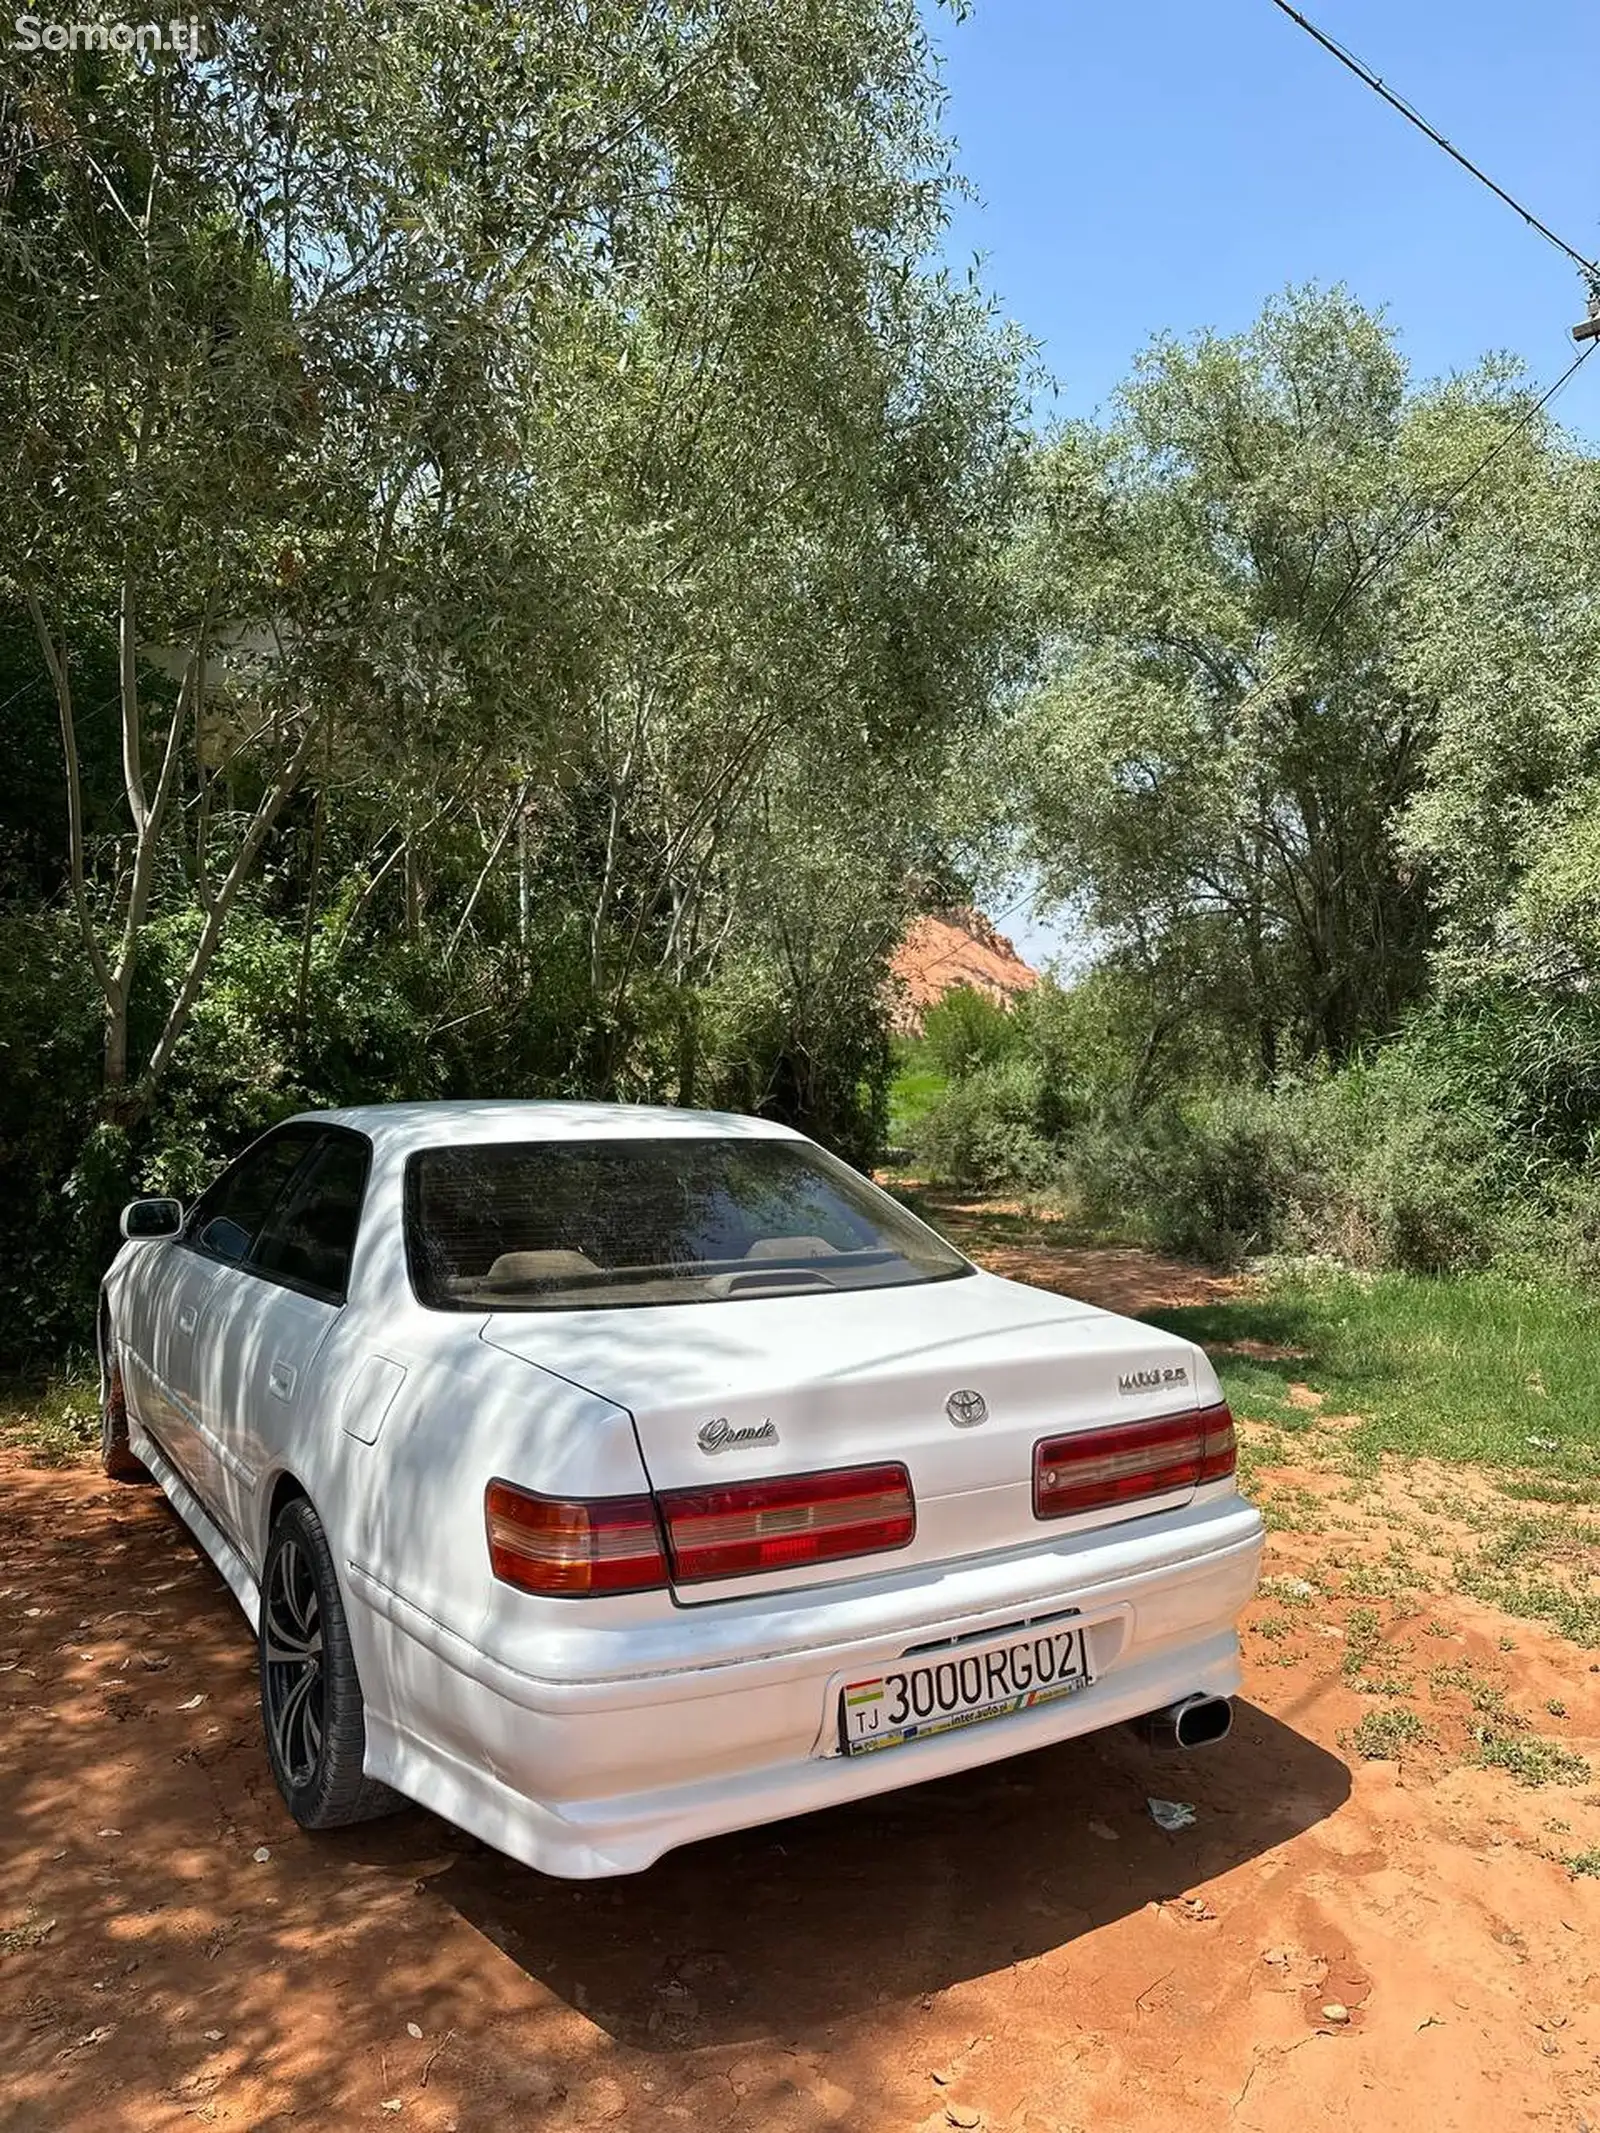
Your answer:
<point x="226" y="1219"/>
<point x="565" y="1225"/>
<point x="308" y="1238"/>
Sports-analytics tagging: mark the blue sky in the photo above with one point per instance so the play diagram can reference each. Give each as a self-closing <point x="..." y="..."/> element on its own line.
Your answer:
<point x="1168" y="165"/>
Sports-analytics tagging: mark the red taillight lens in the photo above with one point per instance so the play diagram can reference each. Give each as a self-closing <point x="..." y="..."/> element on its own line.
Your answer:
<point x="1218" y="1452"/>
<point x="784" y="1525"/>
<point x="543" y="1544"/>
<point x="1094" y="1469"/>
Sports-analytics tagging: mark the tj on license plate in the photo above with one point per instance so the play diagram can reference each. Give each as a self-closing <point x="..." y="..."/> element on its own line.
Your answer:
<point x="962" y="1688"/>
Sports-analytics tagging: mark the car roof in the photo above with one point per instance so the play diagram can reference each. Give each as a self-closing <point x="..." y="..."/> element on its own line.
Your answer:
<point x="403" y="1126"/>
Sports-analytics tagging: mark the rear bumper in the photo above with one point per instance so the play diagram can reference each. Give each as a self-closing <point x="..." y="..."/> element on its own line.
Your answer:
<point x="728" y="1722"/>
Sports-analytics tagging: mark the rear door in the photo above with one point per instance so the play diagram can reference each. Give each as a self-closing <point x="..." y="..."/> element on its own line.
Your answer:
<point x="269" y="1321"/>
<point x="183" y="1292"/>
<point x="217" y="1237"/>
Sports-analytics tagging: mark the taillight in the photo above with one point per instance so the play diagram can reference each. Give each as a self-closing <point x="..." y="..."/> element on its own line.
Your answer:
<point x="786" y="1524"/>
<point x="1095" y="1469"/>
<point x="1218" y="1452"/>
<point x="545" y="1544"/>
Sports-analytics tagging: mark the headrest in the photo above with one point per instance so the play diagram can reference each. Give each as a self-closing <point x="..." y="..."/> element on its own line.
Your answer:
<point x="521" y="1270"/>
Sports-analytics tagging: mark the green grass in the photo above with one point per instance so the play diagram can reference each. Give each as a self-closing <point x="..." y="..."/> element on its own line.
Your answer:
<point x="1476" y="1368"/>
<point x="1535" y="1540"/>
<point x="1486" y="1697"/>
<point x="1382" y="1734"/>
<point x="1530" y="1760"/>
<point x="54" y="1423"/>
<point x="1362" y="1631"/>
<point x="1379" y="1581"/>
<point x="1293" y="1510"/>
<point x="1573" y="1615"/>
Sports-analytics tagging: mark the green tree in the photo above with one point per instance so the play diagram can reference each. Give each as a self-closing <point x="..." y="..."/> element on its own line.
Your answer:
<point x="1503" y="632"/>
<point x="469" y="401"/>
<point x="966" y="1030"/>
<point x="1214" y="765"/>
<point x="509" y="539"/>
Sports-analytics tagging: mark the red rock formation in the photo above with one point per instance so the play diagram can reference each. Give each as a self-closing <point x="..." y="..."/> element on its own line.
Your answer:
<point x="948" y="948"/>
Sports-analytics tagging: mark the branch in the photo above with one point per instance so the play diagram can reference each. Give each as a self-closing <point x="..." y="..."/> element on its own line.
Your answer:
<point x="128" y="699"/>
<point x="359" y="908"/>
<point x="216" y="913"/>
<point x="55" y="660"/>
<point x="498" y="847"/>
<point x="148" y="840"/>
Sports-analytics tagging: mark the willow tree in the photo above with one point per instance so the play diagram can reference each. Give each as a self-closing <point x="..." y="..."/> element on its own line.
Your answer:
<point x="1229" y="728"/>
<point x="1504" y="632"/>
<point x="416" y="394"/>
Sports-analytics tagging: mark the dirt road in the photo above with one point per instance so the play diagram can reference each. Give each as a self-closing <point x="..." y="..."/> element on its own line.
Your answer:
<point x="1021" y="1947"/>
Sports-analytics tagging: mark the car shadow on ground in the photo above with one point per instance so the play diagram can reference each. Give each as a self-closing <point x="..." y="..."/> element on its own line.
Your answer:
<point x="167" y="1937"/>
<point x="810" y="1923"/>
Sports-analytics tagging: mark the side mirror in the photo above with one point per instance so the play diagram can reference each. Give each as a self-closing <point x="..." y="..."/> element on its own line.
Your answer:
<point x="152" y="1218"/>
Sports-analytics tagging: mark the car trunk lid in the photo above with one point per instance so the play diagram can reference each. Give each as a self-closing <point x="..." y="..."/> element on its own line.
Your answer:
<point x="956" y="1381"/>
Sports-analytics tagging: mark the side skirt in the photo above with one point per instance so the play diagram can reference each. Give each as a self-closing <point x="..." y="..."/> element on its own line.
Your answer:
<point x="231" y="1566"/>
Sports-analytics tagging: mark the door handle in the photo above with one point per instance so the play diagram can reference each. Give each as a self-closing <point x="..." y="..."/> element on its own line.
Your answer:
<point x="186" y="1318"/>
<point x="280" y="1381"/>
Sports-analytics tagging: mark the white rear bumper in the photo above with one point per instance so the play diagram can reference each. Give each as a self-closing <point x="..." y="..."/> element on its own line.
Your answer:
<point x="593" y="1757"/>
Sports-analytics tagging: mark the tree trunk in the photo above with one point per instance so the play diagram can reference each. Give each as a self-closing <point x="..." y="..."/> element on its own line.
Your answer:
<point x="688" y="1046"/>
<point x="114" y="1095"/>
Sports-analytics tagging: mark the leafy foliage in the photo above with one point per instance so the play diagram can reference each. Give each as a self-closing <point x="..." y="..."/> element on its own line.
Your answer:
<point x="506" y="541"/>
<point x="1233" y="713"/>
<point x="966" y="1030"/>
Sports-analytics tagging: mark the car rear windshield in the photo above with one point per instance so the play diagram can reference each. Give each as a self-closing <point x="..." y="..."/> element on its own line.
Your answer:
<point x="564" y="1225"/>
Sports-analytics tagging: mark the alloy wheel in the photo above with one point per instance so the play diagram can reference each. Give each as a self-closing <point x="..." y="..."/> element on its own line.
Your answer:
<point x="292" y="1663"/>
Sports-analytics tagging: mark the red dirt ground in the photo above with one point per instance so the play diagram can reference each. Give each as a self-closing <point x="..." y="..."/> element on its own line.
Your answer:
<point x="1021" y="1947"/>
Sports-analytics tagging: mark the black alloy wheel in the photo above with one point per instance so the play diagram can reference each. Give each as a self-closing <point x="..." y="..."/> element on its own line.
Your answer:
<point x="311" y="1707"/>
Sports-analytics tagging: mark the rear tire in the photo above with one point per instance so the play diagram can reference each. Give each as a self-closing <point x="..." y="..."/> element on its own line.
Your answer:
<point x="116" y="1455"/>
<point x="312" y="1711"/>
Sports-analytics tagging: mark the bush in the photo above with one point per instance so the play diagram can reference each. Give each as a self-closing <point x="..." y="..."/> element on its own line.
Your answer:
<point x="982" y="1130"/>
<point x="966" y="1031"/>
<point x="1463" y="1143"/>
<point x="1193" y="1179"/>
<point x="1368" y="1166"/>
<point x="52" y="1244"/>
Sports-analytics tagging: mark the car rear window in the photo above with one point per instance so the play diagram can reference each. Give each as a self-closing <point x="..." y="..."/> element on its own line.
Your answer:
<point x="564" y="1225"/>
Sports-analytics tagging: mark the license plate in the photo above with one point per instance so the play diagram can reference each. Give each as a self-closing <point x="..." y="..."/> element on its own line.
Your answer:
<point x="960" y="1688"/>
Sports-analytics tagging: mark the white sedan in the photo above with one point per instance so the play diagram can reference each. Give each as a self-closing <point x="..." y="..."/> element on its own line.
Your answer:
<point x="604" y="1477"/>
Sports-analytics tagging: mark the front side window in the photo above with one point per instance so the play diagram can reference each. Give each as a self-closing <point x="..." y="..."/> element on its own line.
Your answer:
<point x="227" y="1218"/>
<point x="569" y="1225"/>
<point x="310" y="1234"/>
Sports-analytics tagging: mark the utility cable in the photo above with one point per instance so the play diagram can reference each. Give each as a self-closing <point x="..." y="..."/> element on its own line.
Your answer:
<point x="1410" y="113"/>
<point x="1429" y="512"/>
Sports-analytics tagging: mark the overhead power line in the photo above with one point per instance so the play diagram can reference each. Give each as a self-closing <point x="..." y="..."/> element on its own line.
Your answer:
<point x="1430" y="512"/>
<point x="1409" y="112"/>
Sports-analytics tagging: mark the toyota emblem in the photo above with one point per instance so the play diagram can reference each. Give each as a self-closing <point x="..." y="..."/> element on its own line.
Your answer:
<point x="967" y="1409"/>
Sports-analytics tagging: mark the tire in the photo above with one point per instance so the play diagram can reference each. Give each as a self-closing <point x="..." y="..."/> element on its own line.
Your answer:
<point x="311" y="1707"/>
<point x="116" y="1457"/>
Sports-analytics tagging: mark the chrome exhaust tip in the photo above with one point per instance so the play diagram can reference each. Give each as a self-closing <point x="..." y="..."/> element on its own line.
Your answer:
<point x="1195" y="1722"/>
